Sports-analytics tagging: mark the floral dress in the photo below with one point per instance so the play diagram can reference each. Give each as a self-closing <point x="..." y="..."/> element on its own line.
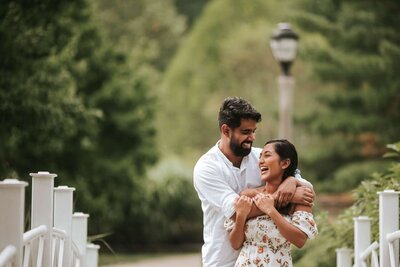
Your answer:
<point x="265" y="246"/>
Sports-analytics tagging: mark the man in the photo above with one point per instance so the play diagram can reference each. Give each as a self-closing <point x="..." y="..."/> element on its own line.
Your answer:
<point x="228" y="168"/>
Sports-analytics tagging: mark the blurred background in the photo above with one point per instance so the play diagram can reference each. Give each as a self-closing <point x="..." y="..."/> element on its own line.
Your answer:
<point x="120" y="99"/>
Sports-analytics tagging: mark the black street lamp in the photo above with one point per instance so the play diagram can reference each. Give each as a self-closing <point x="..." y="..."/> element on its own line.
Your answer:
<point x="284" y="44"/>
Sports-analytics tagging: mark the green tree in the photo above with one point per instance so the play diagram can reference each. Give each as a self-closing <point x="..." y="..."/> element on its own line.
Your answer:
<point x="191" y="9"/>
<point x="149" y="32"/>
<point x="226" y="53"/>
<point x="72" y="105"/>
<point x="39" y="106"/>
<point x="354" y="51"/>
<point x="321" y="252"/>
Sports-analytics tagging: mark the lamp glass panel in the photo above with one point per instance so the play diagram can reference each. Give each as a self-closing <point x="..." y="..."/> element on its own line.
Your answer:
<point x="284" y="50"/>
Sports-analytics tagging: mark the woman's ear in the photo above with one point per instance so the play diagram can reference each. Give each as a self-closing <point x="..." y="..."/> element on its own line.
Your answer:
<point x="285" y="163"/>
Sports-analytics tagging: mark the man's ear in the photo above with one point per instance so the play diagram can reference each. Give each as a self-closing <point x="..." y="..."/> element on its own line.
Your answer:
<point x="225" y="130"/>
<point x="285" y="163"/>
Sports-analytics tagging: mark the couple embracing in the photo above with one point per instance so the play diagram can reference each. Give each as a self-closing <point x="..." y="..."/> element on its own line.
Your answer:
<point x="255" y="204"/>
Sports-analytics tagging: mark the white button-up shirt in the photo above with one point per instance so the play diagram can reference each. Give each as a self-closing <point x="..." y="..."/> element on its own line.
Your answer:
<point x="218" y="183"/>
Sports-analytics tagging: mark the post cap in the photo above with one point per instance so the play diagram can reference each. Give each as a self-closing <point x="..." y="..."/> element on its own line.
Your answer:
<point x="12" y="182"/>
<point x="362" y="218"/>
<point x="43" y="174"/>
<point x="64" y="188"/>
<point x="80" y="215"/>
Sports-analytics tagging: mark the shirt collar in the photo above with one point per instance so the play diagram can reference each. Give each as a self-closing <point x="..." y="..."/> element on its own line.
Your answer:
<point x="243" y="164"/>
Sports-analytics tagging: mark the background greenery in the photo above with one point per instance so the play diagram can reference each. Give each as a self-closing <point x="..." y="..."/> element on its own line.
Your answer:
<point x="121" y="98"/>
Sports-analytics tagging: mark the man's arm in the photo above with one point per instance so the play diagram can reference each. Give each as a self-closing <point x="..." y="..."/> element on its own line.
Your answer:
<point x="303" y="193"/>
<point x="212" y="188"/>
<point x="285" y="192"/>
<point x="292" y="190"/>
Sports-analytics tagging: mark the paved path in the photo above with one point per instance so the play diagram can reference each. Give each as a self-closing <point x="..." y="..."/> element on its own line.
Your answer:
<point x="191" y="260"/>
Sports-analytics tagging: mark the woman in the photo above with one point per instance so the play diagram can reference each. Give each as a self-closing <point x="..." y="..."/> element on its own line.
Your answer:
<point x="266" y="239"/>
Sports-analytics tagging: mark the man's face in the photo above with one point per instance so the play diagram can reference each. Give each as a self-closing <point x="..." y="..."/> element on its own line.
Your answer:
<point x="242" y="137"/>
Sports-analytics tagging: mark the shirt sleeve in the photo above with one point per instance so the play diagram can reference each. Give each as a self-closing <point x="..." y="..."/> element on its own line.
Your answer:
<point x="211" y="186"/>
<point x="305" y="222"/>
<point x="297" y="174"/>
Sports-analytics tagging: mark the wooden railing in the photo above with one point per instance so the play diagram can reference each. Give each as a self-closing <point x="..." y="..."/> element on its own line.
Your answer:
<point x="57" y="236"/>
<point x="366" y="252"/>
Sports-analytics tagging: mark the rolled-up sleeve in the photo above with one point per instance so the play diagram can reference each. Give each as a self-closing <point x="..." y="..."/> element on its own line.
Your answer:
<point x="212" y="187"/>
<point x="302" y="180"/>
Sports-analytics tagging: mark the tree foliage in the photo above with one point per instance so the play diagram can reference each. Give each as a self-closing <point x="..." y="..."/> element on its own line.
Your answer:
<point x="72" y="105"/>
<point x="191" y="9"/>
<point x="354" y="49"/>
<point x="39" y="105"/>
<point x="226" y="53"/>
<point x="321" y="252"/>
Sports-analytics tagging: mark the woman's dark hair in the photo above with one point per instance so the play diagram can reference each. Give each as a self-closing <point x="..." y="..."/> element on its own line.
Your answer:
<point x="286" y="150"/>
<point x="233" y="109"/>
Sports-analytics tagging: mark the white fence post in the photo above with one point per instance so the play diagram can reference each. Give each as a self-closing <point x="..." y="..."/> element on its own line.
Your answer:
<point x="343" y="257"/>
<point x="79" y="233"/>
<point x="92" y="255"/>
<point x="42" y="208"/>
<point x="362" y="237"/>
<point x="12" y="198"/>
<point x="63" y="208"/>
<point x="388" y="223"/>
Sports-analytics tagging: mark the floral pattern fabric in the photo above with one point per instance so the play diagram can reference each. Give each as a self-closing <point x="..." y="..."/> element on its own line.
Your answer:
<point x="264" y="245"/>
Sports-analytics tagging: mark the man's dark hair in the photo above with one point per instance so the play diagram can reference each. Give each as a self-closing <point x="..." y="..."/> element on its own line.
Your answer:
<point x="233" y="109"/>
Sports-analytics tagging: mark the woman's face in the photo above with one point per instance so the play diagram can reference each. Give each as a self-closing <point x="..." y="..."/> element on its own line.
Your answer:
<point x="271" y="165"/>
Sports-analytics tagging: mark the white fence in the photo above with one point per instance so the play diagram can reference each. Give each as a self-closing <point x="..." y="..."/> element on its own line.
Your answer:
<point x="58" y="237"/>
<point x="365" y="251"/>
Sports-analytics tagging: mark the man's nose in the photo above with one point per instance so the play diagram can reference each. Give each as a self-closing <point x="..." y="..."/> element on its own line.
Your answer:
<point x="252" y="136"/>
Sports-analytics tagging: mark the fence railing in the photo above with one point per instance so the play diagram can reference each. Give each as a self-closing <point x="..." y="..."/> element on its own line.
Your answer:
<point x="7" y="256"/>
<point x="366" y="252"/>
<point x="57" y="236"/>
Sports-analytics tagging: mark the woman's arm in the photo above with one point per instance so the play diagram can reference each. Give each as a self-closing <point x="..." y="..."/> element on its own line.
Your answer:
<point x="293" y="234"/>
<point x="236" y="235"/>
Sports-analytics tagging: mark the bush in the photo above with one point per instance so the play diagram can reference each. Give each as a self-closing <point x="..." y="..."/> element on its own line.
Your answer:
<point x="321" y="252"/>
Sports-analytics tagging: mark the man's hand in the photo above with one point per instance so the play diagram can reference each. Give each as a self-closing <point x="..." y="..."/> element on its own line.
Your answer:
<point x="265" y="202"/>
<point x="304" y="196"/>
<point x="285" y="192"/>
<point x="243" y="206"/>
<point x="250" y="192"/>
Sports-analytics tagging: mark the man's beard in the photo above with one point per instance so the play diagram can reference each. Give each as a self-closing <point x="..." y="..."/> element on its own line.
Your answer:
<point x="238" y="150"/>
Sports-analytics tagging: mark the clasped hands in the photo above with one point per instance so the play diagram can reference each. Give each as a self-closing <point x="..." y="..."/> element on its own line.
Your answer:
<point x="243" y="204"/>
<point x="267" y="202"/>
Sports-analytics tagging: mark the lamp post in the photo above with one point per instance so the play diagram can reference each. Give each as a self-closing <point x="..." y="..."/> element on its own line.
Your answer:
<point x="284" y="43"/>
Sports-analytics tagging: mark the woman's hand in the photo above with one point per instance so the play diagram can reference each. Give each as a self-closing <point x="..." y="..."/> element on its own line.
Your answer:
<point x="243" y="206"/>
<point x="265" y="202"/>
